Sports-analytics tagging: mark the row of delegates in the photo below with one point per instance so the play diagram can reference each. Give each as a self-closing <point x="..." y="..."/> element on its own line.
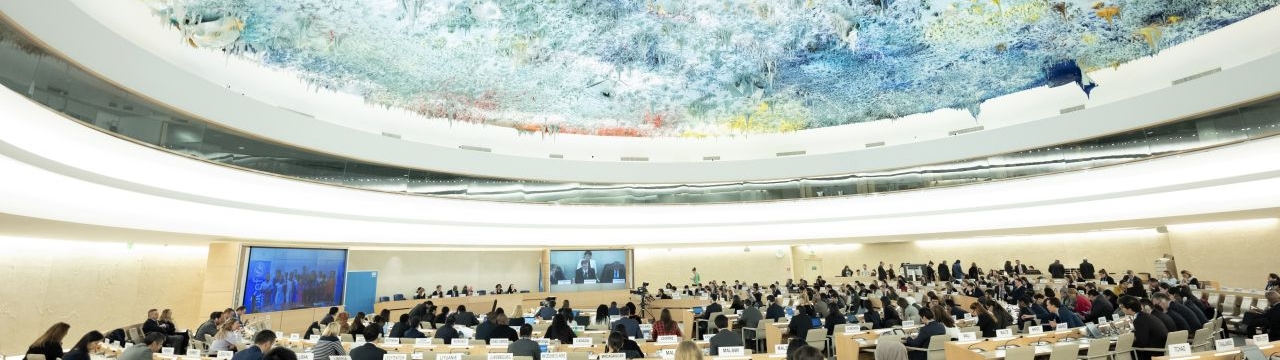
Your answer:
<point x="421" y="293"/>
<point x="49" y="344"/>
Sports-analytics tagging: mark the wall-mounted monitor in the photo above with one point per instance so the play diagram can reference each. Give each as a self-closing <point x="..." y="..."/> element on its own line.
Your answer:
<point x="277" y="279"/>
<point x="575" y="270"/>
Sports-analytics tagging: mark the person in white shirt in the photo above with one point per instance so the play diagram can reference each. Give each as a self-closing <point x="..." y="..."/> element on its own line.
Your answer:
<point x="228" y="338"/>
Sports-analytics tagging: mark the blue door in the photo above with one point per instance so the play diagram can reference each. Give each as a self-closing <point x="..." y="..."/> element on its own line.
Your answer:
<point x="362" y="290"/>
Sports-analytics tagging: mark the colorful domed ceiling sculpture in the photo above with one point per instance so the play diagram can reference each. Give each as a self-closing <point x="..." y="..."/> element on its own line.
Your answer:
<point x="692" y="68"/>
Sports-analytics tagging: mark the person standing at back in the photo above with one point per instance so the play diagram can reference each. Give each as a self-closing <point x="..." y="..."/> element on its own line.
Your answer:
<point x="1086" y="270"/>
<point x="880" y="273"/>
<point x="957" y="270"/>
<point x="696" y="279"/>
<point x="1057" y="270"/>
<point x="944" y="274"/>
<point x="262" y="342"/>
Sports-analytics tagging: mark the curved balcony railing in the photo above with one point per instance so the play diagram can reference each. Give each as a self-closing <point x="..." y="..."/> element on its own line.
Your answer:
<point x="29" y="69"/>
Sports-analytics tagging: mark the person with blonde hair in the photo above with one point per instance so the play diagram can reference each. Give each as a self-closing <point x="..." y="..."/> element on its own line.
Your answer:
<point x="688" y="350"/>
<point x="329" y="344"/>
<point x="227" y="338"/>
<point x="891" y="350"/>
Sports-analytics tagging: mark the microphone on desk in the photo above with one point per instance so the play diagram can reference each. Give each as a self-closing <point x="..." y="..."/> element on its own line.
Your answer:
<point x="978" y="343"/>
<point x="1006" y="344"/>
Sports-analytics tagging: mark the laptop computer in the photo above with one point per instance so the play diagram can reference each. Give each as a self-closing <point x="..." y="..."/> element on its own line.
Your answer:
<point x="697" y="310"/>
<point x="1251" y="352"/>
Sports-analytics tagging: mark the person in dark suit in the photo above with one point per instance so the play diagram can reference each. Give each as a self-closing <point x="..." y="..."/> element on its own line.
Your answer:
<point x="1101" y="307"/>
<point x="502" y="329"/>
<point x="1148" y="331"/>
<point x="1019" y="267"/>
<point x="944" y="273"/>
<point x="1086" y="270"/>
<point x="1056" y="270"/>
<point x="1172" y="308"/>
<point x="420" y="294"/>
<point x="712" y="308"/>
<point x="560" y="330"/>
<point x="1064" y="314"/>
<point x="1105" y="278"/>
<point x="880" y="274"/>
<point x="447" y="333"/>
<point x="584" y="271"/>
<point x="262" y="342"/>
<point x="725" y="337"/>
<point x="485" y="327"/>
<point x="412" y="331"/>
<point x="398" y="329"/>
<point x="328" y="318"/>
<point x="834" y="319"/>
<point x="750" y="318"/>
<point x="875" y="317"/>
<point x="368" y="351"/>
<point x="927" y="332"/>
<point x="986" y="321"/>
<point x="464" y="317"/>
<point x="775" y="310"/>
<point x="439" y="293"/>
<point x="524" y="346"/>
<point x="799" y="327"/>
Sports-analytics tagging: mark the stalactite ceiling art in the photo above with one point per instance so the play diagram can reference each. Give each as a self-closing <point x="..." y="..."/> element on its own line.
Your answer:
<point x="691" y="68"/>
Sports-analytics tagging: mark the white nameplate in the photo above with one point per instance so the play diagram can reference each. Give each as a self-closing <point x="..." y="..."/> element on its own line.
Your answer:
<point x="968" y="336"/>
<point x="500" y="342"/>
<point x="459" y="342"/>
<point x="500" y="356"/>
<point x="555" y="356"/>
<point x="849" y="329"/>
<point x="1182" y="349"/>
<point x="397" y="357"/>
<point x="668" y="339"/>
<point x="619" y="281"/>
<point x="1261" y="339"/>
<point x="589" y="281"/>
<point x="454" y="356"/>
<point x="733" y="351"/>
<point x="1004" y="333"/>
<point x="968" y="316"/>
<point x="582" y="341"/>
<point x="1062" y="326"/>
<point x="339" y="357"/>
<point x="224" y="355"/>
<point x="392" y="341"/>
<point x="193" y="353"/>
<point x="646" y="327"/>
<point x="579" y="328"/>
<point x="613" y="356"/>
<point x="360" y="340"/>
<point x="314" y="337"/>
<point x="1035" y="329"/>
<point x="421" y="341"/>
<point x="543" y="342"/>
<point x="665" y="353"/>
<point x="563" y="282"/>
<point x="416" y="356"/>
<point x="306" y="356"/>
<point x="707" y="337"/>
<point x="167" y="351"/>
<point x="780" y="349"/>
<point x="908" y="323"/>
<point x="1224" y="344"/>
<point x="613" y="318"/>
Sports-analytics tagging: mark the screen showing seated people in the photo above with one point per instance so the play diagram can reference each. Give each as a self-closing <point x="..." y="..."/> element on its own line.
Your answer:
<point x="288" y="278"/>
<point x="574" y="270"/>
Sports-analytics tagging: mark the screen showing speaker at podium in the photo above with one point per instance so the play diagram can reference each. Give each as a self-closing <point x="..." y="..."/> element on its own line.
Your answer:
<point x="573" y="270"/>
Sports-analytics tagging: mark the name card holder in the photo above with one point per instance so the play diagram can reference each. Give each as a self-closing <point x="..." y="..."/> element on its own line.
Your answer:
<point x="707" y="337"/>
<point x="306" y="356"/>
<point x="166" y="351"/>
<point x="226" y="355"/>
<point x="313" y="337"/>
<point x="968" y="336"/>
<point x="908" y="323"/>
<point x="555" y="356"/>
<point x="421" y="341"/>
<point x="732" y="351"/>
<point x="1261" y="339"/>
<point x="339" y="357"/>
<point x="500" y="356"/>
<point x="1062" y="326"/>
<point x="589" y="281"/>
<point x="1004" y="333"/>
<point x="780" y="349"/>
<point x="1035" y="329"/>
<point x="850" y="329"/>
<point x="667" y="353"/>
<point x="1183" y="349"/>
<point x="193" y="353"/>
<point x="1224" y="344"/>
<point x="392" y="341"/>
<point x="582" y="341"/>
<point x="454" y="356"/>
<point x="613" y="356"/>
<point x="499" y="342"/>
<point x="459" y="342"/>
<point x="416" y="356"/>
<point x="668" y="339"/>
